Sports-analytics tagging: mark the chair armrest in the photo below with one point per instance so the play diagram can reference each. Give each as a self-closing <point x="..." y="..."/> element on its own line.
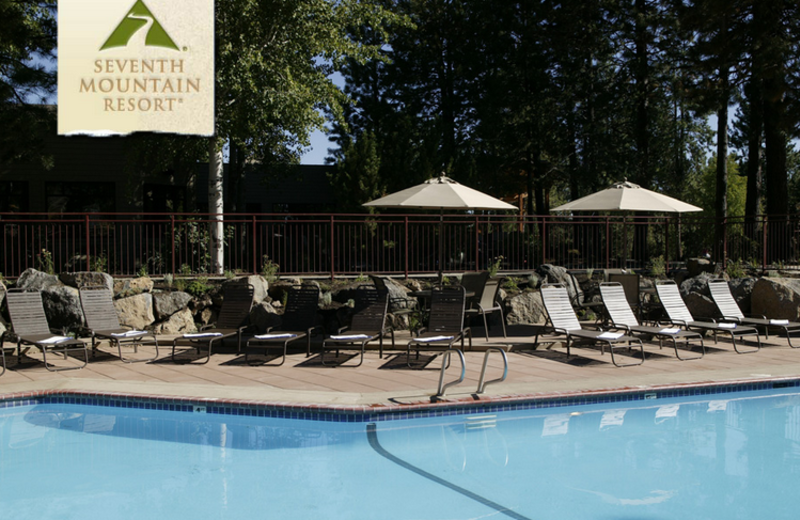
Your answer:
<point x="678" y="322"/>
<point x="732" y="318"/>
<point x="341" y="329"/>
<point x="206" y="327"/>
<point x="614" y="326"/>
<point x="758" y="316"/>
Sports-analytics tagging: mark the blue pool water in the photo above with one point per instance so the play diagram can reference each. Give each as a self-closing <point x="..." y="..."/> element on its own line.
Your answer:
<point x="731" y="456"/>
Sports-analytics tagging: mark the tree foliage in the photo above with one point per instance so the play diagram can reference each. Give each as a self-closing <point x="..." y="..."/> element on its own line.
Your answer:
<point x="27" y="77"/>
<point x="559" y="99"/>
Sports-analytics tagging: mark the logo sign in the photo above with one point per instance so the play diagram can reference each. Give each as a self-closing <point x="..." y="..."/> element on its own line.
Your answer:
<point x="135" y="65"/>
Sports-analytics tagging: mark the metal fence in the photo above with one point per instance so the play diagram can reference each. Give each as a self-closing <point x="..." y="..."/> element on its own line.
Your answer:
<point x="336" y="245"/>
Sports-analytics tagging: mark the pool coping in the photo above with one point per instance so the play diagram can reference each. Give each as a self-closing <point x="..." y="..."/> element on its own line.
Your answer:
<point x="395" y="411"/>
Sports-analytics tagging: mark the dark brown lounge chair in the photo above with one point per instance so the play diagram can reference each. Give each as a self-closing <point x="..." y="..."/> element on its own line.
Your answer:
<point x="445" y="324"/>
<point x="299" y="321"/>
<point x="31" y="329"/>
<point x="102" y="323"/>
<point x="236" y="304"/>
<point x="368" y="324"/>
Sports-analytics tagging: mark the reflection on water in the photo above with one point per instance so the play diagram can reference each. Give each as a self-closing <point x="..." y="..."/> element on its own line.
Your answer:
<point x="245" y="433"/>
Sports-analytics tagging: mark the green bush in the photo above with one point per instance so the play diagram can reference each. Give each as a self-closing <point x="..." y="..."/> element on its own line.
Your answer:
<point x="198" y="287"/>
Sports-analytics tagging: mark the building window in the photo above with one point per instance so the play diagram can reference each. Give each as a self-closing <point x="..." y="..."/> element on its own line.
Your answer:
<point x="80" y="197"/>
<point x="14" y="196"/>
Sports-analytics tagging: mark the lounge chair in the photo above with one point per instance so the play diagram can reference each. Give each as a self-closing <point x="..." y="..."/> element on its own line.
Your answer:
<point x="622" y="318"/>
<point x="299" y="321"/>
<point x="565" y="322"/>
<point x="31" y="329"/>
<point x="729" y="309"/>
<point x="368" y="324"/>
<point x="397" y="306"/>
<point x="679" y="314"/>
<point x="446" y="322"/>
<point x="236" y="304"/>
<point x="102" y="323"/>
<point x="488" y="304"/>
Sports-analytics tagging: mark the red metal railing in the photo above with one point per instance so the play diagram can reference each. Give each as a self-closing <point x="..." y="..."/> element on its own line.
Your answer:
<point x="127" y="244"/>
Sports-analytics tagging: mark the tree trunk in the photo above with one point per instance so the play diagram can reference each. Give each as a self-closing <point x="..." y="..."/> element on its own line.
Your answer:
<point x="721" y="199"/>
<point x="215" y="205"/>
<point x="752" y="205"/>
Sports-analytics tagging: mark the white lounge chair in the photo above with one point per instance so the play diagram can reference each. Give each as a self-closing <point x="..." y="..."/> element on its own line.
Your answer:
<point x="564" y="321"/>
<point x="679" y="314"/>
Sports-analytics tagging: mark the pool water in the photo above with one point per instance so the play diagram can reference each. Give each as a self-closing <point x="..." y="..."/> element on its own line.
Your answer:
<point x="735" y="456"/>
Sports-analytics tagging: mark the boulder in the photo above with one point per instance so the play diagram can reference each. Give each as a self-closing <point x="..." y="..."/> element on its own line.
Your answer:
<point x="555" y="274"/>
<point x="206" y="316"/>
<point x="525" y="308"/>
<point x="62" y="305"/>
<point x="777" y="298"/>
<point x="263" y="316"/>
<point x="33" y="280"/>
<point x="178" y="323"/>
<point x="143" y="284"/>
<point x="696" y="266"/>
<point x="87" y="278"/>
<point x="697" y="295"/>
<point x="136" y="311"/>
<point x="742" y="290"/>
<point x="259" y="283"/>
<point x="168" y="303"/>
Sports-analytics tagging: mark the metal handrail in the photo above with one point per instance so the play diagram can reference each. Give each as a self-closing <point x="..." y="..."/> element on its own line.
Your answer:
<point x="445" y="364"/>
<point x="483" y="384"/>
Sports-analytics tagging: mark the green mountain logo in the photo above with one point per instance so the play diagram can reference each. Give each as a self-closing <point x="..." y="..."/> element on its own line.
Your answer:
<point x="137" y="19"/>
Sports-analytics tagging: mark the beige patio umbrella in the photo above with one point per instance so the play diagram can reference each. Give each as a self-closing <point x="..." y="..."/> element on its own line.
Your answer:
<point x="627" y="196"/>
<point x="440" y="193"/>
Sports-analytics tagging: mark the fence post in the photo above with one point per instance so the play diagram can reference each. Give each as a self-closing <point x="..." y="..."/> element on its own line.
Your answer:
<point x="255" y="244"/>
<point x="724" y="244"/>
<point x="477" y="244"/>
<point x="172" y="242"/>
<point x="544" y="239"/>
<point x="765" y="223"/>
<point x="608" y="243"/>
<point x="405" y="267"/>
<point x="88" y="263"/>
<point x="333" y="270"/>
<point x="666" y="245"/>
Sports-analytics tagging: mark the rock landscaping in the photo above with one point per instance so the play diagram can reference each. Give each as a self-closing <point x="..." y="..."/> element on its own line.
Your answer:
<point x="144" y="303"/>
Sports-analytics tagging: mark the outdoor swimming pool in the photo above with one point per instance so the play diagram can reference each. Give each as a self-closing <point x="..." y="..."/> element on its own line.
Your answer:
<point x="724" y="456"/>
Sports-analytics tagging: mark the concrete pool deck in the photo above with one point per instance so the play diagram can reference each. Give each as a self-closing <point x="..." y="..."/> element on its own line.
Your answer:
<point x="534" y="371"/>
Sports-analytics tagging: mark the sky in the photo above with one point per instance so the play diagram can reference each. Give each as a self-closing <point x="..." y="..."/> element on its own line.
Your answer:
<point x="319" y="149"/>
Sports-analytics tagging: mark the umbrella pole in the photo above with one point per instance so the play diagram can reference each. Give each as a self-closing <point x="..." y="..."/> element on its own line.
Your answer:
<point x="625" y="241"/>
<point x="441" y="246"/>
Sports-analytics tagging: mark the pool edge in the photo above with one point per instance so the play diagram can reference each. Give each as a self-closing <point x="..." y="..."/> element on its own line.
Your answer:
<point x="383" y="411"/>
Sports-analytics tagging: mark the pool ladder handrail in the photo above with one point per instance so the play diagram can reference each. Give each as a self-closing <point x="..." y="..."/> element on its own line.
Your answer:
<point x="445" y="365"/>
<point x="482" y="383"/>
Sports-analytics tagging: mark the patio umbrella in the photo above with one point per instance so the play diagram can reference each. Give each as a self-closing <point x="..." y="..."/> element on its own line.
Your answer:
<point x="627" y="196"/>
<point x="440" y="193"/>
